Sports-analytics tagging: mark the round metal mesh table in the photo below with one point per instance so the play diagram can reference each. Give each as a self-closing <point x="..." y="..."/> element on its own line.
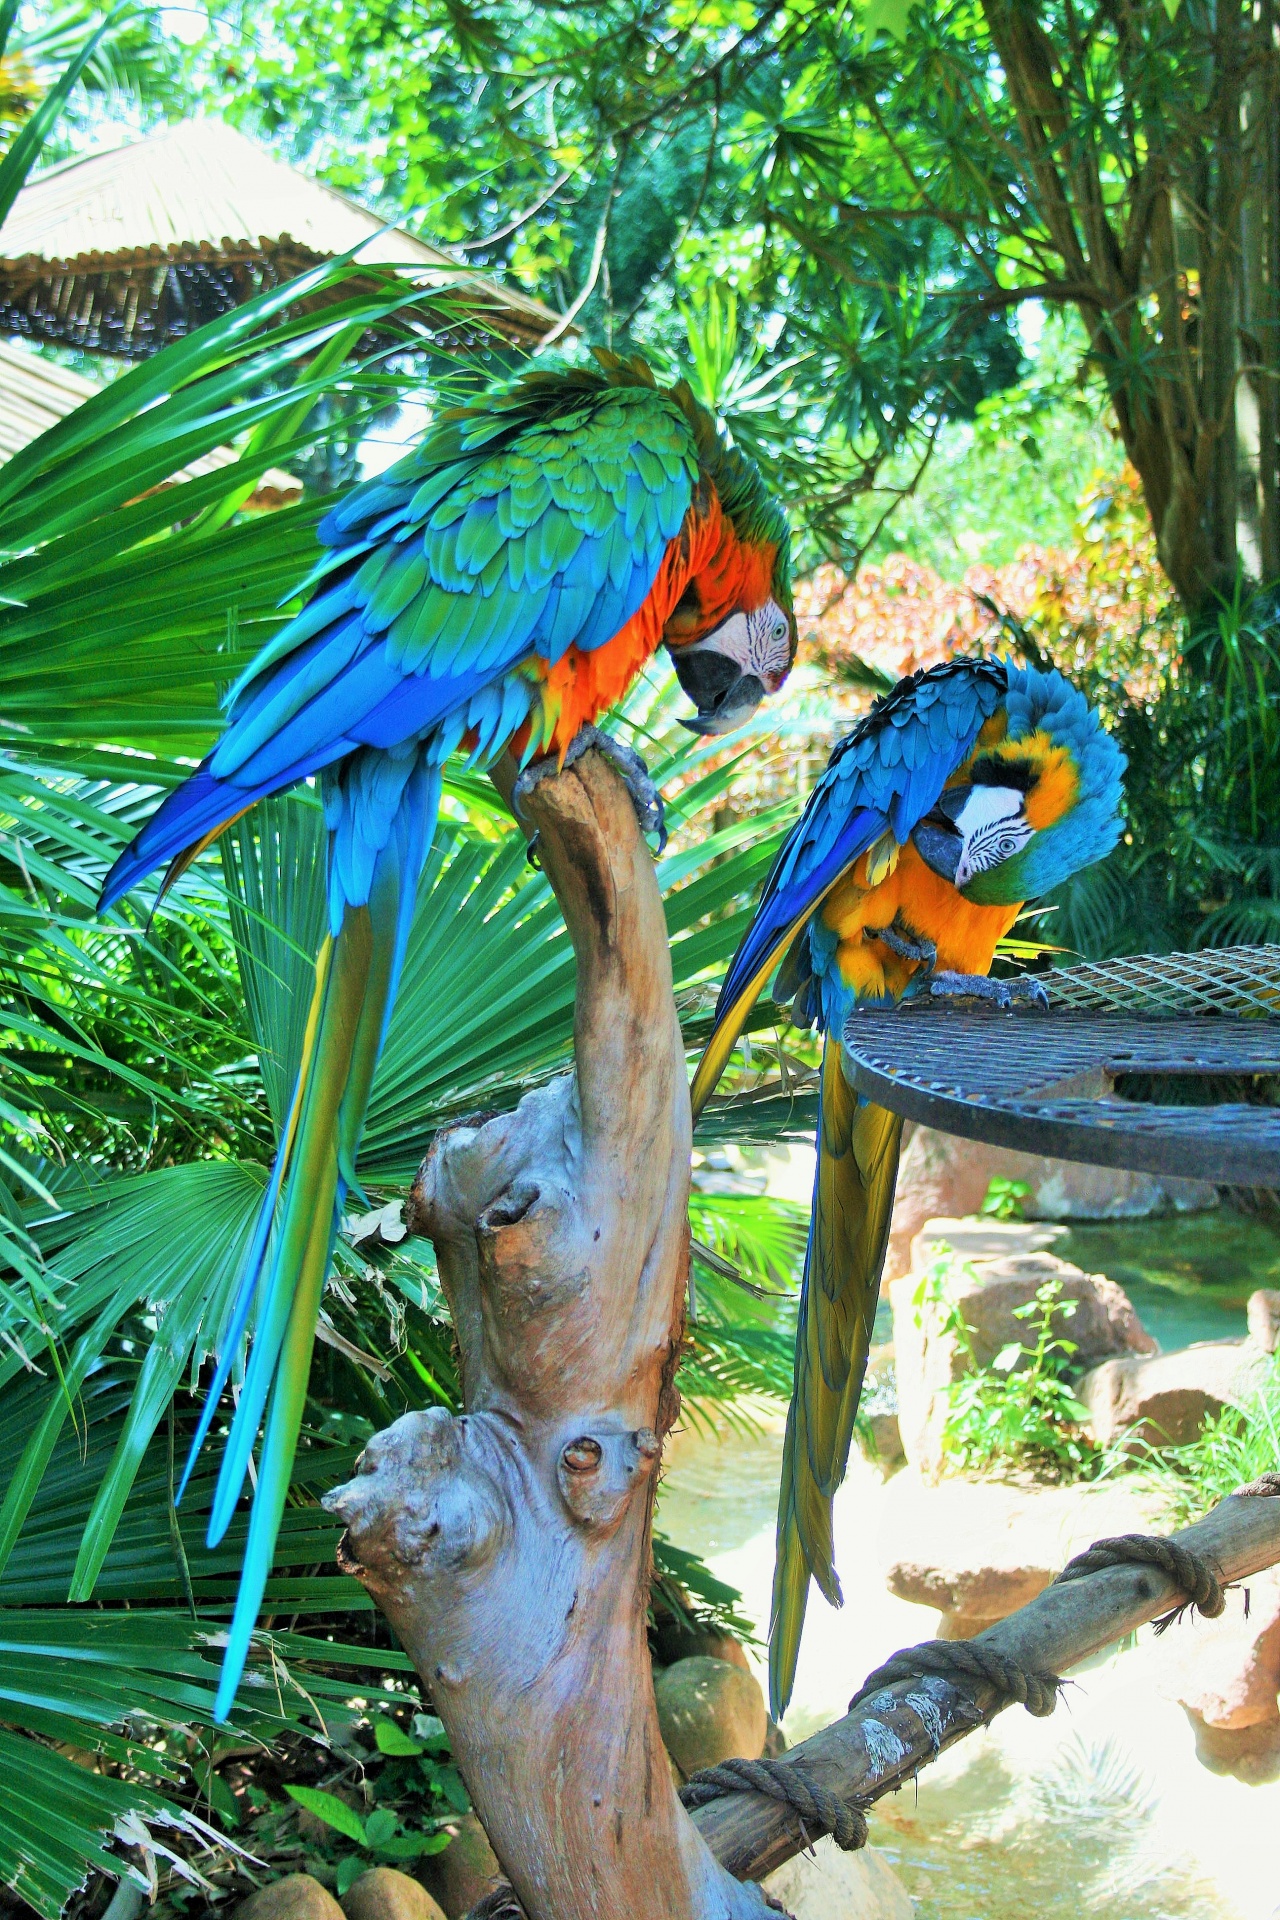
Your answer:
<point x="1167" y="1064"/>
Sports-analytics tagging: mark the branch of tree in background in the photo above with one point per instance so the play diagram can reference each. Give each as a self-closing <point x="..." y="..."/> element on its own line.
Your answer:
<point x="884" y="1740"/>
<point x="521" y="219"/>
<point x="587" y="288"/>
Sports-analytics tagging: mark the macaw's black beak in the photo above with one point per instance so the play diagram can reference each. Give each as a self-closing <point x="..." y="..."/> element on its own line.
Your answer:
<point x="723" y="694"/>
<point x="937" y="839"/>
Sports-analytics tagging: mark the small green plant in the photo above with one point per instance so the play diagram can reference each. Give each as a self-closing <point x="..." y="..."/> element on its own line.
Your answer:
<point x="1003" y="1199"/>
<point x="1232" y="1449"/>
<point x="417" y="1769"/>
<point x="1020" y="1412"/>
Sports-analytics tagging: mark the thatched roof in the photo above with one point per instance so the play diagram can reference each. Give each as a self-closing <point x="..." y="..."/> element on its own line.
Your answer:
<point x="36" y="393"/>
<point x="123" y="251"/>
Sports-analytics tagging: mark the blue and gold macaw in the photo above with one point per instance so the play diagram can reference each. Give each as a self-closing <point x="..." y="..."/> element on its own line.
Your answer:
<point x="966" y="791"/>
<point x="497" y="590"/>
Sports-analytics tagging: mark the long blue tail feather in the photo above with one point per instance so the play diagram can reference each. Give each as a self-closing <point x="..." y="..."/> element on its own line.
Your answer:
<point x="393" y="802"/>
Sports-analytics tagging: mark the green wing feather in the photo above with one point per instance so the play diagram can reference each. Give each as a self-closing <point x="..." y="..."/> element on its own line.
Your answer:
<point x="853" y="1191"/>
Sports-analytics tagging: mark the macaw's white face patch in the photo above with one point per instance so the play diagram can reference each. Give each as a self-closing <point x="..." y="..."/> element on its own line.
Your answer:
<point x="992" y="828"/>
<point x="759" y="643"/>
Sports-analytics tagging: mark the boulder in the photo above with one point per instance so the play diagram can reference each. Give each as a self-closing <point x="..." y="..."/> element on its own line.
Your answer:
<point x="943" y="1175"/>
<point x="384" y="1894"/>
<point x="1004" y="1263"/>
<point x="825" y="1884"/>
<point x="297" y="1897"/>
<point x="465" y="1873"/>
<point x="710" y="1711"/>
<point x="979" y="1550"/>
<point x="1165" y="1399"/>
<point x="1228" y="1682"/>
<point x="1263" y="1313"/>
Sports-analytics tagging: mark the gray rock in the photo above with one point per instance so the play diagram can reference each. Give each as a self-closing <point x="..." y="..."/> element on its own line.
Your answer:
<point x="829" y="1885"/>
<point x="943" y="1175"/>
<point x="710" y="1711"/>
<point x="1166" y="1398"/>
<point x="1005" y="1262"/>
<point x="460" y="1877"/>
<point x="297" y="1897"/>
<point x="1263" y="1313"/>
<point x="384" y="1894"/>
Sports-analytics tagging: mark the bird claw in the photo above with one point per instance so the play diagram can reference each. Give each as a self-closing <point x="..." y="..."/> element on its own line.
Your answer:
<point x="908" y="946"/>
<point x="978" y="986"/>
<point x="634" y="774"/>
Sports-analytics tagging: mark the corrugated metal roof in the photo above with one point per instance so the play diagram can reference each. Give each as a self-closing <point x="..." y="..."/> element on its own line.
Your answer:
<point x="123" y="249"/>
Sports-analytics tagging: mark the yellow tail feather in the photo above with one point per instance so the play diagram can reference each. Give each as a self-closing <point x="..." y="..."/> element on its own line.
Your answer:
<point x="189" y="855"/>
<point x="853" y="1193"/>
<point x="729" y="1024"/>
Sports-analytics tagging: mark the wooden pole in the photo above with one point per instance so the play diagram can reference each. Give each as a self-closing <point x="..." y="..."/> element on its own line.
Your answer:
<point x="510" y="1547"/>
<point x="887" y="1738"/>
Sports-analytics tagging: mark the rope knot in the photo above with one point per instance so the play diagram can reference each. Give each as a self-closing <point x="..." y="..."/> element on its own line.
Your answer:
<point x="1190" y="1572"/>
<point x="789" y="1782"/>
<point x="968" y="1660"/>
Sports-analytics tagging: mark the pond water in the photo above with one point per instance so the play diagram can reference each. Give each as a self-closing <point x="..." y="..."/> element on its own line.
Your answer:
<point x="1188" y="1275"/>
<point x="1103" y="1809"/>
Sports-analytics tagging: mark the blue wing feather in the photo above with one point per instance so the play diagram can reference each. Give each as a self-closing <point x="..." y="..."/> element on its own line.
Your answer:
<point x="888" y="772"/>
<point x="433" y="601"/>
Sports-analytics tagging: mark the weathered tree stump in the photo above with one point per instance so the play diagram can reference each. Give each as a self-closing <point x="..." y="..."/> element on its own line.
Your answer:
<point x="510" y="1546"/>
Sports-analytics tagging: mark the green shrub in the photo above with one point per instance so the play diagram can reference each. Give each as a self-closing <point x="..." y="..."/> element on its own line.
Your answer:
<point x="1003" y="1199"/>
<point x="1232" y="1449"/>
<point x="1018" y="1414"/>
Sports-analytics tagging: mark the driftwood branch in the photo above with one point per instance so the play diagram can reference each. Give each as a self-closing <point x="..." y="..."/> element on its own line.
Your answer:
<point x="510" y="1547"/>
<point x="888" y="1737"/>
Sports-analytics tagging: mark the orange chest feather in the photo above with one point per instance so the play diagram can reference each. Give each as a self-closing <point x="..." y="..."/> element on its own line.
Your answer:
<point x="725" y="573"/>
<point x="919" y="905"/>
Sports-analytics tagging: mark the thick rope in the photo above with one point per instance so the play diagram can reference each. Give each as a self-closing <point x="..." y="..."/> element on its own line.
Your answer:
<point x="1267" y="1483"/>
<point x="788" y="1782"/>
<point x="795" y="1786"/>
<point x="501" y="1904"/>
<point x="968" y="1660"/>
<point x="1038" y="1692"/>
<point x="1190" y="1572"/>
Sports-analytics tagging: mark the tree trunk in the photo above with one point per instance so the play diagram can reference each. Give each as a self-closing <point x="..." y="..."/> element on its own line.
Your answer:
<point x="510" y="1547"/>
<point x="1167" y="269"/>
<point x="1265" y="297"/>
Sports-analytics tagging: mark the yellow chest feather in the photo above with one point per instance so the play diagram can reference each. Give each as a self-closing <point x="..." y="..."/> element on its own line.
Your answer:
<point x="919" y="906"/>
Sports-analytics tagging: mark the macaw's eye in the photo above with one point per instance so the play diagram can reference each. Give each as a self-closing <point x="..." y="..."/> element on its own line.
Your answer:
<point x="779" y="630"/>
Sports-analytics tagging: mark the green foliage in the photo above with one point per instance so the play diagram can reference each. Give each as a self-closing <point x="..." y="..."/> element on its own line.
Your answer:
<point x="683" y="1585"/>
<point x="1018" y="1414"/>
<point x="1003" y="1198"/>
<point x="381" y="1836"/>
<point x="1200" y="863"/>
<point x="1012" y="476"/>
<point x="152" y="1063"/>
<point x="1232" y="1449"/>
